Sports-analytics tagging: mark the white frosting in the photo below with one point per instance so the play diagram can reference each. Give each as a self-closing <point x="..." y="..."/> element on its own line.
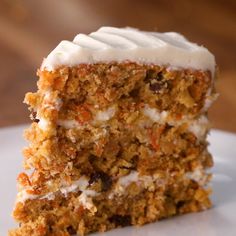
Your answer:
<point x="106" y="114"/>
<point x="50" y="102"/>
<point x="150" y="181"/>
<point x="22" y="196"/>
<point x="82" y="184"/>
<point x="79" y="185"/>
<point x="121" y="44"/>
<point x="69" y="124"/>
<point x="102" y="116"/>
<point x="155" y="115"/>
<point x="86" y="200"/>
<point x="209" y="100"/>
<point x="128" y="179"/>
<point x="199" y="127"/>
<point x="198" y="175"/>
<point x="144" y="181"/>
<point x="43" y="123"/>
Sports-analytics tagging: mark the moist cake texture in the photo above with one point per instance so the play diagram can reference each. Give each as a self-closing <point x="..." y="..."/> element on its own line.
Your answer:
<point x="118" y="134"/>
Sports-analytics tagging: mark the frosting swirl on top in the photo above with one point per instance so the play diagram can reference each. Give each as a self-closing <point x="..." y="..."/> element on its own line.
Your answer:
<point x="129" y="44"/>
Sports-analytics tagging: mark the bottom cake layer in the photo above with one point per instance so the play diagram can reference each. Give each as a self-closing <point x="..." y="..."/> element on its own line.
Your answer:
<point x="64" y="215"/>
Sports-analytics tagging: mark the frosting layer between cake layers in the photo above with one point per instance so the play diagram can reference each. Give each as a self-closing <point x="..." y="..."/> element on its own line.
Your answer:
<point x="121" y="44"/>
<point x="147" y="182"/>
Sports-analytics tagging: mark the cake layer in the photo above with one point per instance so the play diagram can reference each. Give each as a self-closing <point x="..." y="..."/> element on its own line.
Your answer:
<point x="134" y="200"/>
<point x="113" y="44"/>
<point x="98" y="86"/>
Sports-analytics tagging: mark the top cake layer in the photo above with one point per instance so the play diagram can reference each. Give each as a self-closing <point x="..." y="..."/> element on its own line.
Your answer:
<point x="121" y="44"/>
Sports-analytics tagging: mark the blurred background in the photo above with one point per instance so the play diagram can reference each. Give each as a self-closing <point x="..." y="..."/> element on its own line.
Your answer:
<point x="29" y="30"/>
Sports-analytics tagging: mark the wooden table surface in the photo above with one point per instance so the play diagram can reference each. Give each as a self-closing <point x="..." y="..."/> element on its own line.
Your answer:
<point x="30" y="29"/>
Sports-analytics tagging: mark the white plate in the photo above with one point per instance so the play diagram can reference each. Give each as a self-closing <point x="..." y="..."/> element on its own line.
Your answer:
<point x="220" y="220"/>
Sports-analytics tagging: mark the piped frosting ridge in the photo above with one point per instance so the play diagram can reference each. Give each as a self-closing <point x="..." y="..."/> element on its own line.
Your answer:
<point x="128" y="44"/>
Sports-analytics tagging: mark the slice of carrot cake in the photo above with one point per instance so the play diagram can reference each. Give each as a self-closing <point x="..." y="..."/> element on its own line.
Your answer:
<point x="118" y="134"/>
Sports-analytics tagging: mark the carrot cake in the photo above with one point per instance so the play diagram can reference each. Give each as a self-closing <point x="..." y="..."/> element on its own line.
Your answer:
<point x="118" y="134"/>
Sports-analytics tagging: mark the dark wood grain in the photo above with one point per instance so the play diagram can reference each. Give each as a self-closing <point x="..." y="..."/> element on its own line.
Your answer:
<point x="30" y="29"/>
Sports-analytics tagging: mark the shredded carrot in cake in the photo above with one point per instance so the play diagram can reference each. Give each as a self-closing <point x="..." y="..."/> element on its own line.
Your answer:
<point x="154" y="137"/>
<point x="33" y="191"/>
<point x="178" y="116"/>
<point x="23" y="179"/>
<point x="84" y="114"/>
